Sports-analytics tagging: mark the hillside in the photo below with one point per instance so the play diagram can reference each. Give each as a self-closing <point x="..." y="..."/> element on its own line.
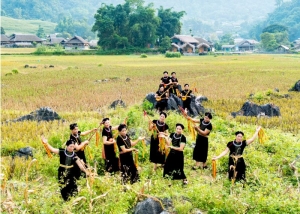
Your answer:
<point x="288" y="14"/>
<point x="12" y="25"/>
<point x="218" y="14"/>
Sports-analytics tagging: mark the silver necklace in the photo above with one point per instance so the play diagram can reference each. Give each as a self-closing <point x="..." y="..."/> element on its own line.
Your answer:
<point x="107" y="130"/>
<point x="176" y="137"/>
<point x="205" y="124"/>
<point x="123" y="138"/>
<point x="69" y="155"/>
<point x="237" y="145"/>
<point x="160" y="125"/>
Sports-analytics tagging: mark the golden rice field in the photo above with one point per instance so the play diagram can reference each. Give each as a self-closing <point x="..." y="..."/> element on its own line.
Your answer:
<point x="72" y="84"/>
<point x="72" y="90"/>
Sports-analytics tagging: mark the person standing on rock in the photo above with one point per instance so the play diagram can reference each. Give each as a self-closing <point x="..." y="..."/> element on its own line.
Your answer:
<point x="66" y="171"/>
<point x="186" y="98"/>
<point x="201" y="148"/>
<point x="157" y="147"/>
<point x="125" y="144"/>
<point x="79" y="145"/>
<point x="174" y="86"/>
<point x="161" y="97"/>
<point x="236" y="163"/>
<point x="175" y="161"/>
<point x="165" y="81"/>
<point x="111" y="160"/>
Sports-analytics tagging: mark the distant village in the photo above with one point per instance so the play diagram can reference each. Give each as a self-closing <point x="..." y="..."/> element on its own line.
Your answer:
<point x="185" y="44"/>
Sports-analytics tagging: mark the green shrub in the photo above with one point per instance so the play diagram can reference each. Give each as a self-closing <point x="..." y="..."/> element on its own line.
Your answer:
<point x="144" y="55"/>
<point x="15" y="71"/>
<point x="99" y="65"/>
<point x="172" y="54"/>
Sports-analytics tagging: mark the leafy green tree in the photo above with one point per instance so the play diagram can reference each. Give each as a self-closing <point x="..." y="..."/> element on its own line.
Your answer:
<point x="65" y="24"/>
<point x="40" y="32"/>
<point x="275" y="28"/>
<point x="104" y="26"/>
<point x="143" y="24"/>
<point x="165" y="44"/>
<point x="169" y="22"/>
<point x="268" y="41"/>
<point x="2" y="30"/>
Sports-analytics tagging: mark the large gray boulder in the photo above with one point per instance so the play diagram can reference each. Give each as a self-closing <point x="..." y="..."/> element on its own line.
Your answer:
<point x="41" y="114"/>
<point x="151" y="206"/>
<point x="116" y="103"/>
<point x="25" y="152"/>
<point x="252" y="109"/>
<point x="174" y="102"/>
<point x="148" y="206"/>
<point x="296" y="87"/>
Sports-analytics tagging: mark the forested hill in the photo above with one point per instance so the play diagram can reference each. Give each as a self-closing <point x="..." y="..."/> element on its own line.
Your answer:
<point x="221" y="11"/>
<point x="287" y="14"/>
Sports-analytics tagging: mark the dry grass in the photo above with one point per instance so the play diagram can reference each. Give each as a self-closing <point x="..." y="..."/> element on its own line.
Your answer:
<point x="72" y="84"/>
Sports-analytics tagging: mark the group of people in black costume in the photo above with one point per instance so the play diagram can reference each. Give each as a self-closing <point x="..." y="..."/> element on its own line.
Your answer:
<point x="165" y="149"/>
<point x="169" y="85"/>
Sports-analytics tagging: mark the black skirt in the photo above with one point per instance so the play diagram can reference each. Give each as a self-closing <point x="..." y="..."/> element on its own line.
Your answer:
<point x="174" y="165"/>
<point x="67" y="183"/>
<point x="155" y="155"/>
<point x="128" y="168"/>
<point x="201" y="149"/>
<point x="240" y="169"/>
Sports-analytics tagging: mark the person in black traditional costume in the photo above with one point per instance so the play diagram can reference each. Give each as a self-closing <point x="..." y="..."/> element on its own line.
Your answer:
<point x="201" y="148"/>
<point x="66" y="171"/>
<point x="161" y="97"/>
<point x="236" y="163"/>
<point x="125" y="144"/>
<point x="186" y="98"/>
<point x="79" y="145"/>
<point x="174" y="85"/>
<point x="175" y="161"/>
<point x="111" y="160"/>
<point x="160" y="130"/>
<point x="165" y="81"/>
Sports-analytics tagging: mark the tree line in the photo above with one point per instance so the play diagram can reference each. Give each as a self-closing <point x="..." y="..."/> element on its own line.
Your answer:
<point x="133" y="24"/>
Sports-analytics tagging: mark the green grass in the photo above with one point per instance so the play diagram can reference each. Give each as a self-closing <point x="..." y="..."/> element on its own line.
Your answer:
<point x="12" y="25"/>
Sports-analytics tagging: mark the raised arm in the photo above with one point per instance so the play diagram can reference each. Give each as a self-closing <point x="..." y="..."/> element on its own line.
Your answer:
<point x="54" y="150"/>
<point x="89" y="131"/>
<point x="203" y="133"/>
<point x="194" y="120"/>
<point x="222" y="154"/>
<point x="83" y="144"/>
<point x="133" y="143"/>
<point x="151" y="125"/>
<point x="249" y="141"/>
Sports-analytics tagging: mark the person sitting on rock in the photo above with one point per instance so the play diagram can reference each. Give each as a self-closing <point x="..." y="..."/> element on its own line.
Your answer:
<point x="174" y="85"/>
<point x="186" y="98"/>
<point x="165" y="81"/>
<point x="161" y="97"/>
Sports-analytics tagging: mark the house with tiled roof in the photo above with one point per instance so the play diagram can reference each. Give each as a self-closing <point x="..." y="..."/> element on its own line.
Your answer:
<point x="77" y="43"/>
<point x="189" y="44"/>
<point x="246" y="45"/>
<point x="4" y="40"/>
<point x="24" y="40"/>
